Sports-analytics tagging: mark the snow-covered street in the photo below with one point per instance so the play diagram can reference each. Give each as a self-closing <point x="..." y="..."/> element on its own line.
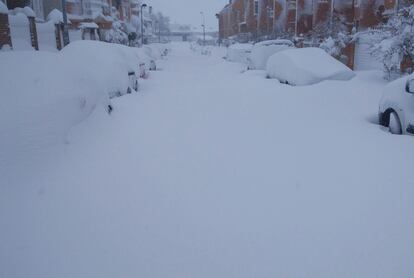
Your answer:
<point x="210" y="171"/>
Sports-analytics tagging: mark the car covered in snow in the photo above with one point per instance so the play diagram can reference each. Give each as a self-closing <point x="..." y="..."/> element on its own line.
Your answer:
<point x="306" y="66"/>
<point x="396" y="109"/>
<point x="239" y="52"/>
<point x="262" y="51"/>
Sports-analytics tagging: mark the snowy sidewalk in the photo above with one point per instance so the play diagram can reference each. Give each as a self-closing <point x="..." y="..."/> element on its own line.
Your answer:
<point x="210" y="172"/>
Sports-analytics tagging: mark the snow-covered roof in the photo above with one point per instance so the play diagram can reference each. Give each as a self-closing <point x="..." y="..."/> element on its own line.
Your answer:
<point x="27" y="11"/>
<point x="75" y="17"/>
<point x="99" y="17"/>
<point x="3" y="8"/>
<point x="88" y="25"/>
<point x="274" y="42"/>
<point x="55" y="16"/>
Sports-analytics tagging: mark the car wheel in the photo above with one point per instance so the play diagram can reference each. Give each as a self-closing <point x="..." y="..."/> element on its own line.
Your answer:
<point x="395" y="124"/>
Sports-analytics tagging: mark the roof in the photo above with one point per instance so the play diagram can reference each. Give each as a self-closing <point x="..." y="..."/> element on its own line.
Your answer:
<point x="88" y="25"/>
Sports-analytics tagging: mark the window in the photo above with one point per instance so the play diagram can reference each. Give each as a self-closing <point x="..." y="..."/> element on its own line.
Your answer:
<point x="256" y="7"/>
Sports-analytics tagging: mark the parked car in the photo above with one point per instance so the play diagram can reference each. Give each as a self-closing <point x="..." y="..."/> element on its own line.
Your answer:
<point x="396" y="109"/>
<point x="262" y="51"/>
<point x="306" y="66"/>
<point x="239" y="52"/>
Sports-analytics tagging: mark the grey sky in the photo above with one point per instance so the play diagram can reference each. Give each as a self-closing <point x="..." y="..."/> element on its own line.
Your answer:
<point x="188" y="11"/>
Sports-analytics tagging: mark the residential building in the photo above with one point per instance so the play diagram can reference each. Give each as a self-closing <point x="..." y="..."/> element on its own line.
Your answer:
<point x="304" y="19"/>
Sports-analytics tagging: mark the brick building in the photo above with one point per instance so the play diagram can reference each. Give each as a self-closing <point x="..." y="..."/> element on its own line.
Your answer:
<point x="5" y="38"/>
<point x="298" y="17"/>
<point x="264" y="19"/>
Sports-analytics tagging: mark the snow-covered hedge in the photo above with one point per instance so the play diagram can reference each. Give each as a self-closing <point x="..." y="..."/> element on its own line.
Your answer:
<point x="306" y="66"/>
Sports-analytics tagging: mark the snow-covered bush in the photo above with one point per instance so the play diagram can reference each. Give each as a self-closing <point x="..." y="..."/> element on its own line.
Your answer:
<point x="332" y="36"/>
<point x="393" y="42"/>
<point x="117" y="34"/>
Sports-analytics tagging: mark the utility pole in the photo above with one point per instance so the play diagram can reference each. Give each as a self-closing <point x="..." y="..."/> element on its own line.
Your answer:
<point x="65" y="24"/>
<point x="332" y="15"/>
<point x="159" y="32"/>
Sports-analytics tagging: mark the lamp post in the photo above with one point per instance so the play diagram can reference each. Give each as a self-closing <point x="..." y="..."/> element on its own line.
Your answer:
<point x="204" y="28"/>
<point x="65" y="24"/>
<point x="142" y="24"/>
<point x="158" y="24"/>
<point x="219" y="28"/>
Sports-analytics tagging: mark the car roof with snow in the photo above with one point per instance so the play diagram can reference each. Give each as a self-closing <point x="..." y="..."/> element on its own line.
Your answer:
<point x="274" y="42"/>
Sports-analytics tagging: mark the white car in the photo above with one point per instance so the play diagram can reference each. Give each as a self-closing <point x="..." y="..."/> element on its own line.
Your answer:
<point x="396" y="110"/>
<point x="239" y="53"/>
<point x="306" y="66"/>
<point x="262" y="51"/>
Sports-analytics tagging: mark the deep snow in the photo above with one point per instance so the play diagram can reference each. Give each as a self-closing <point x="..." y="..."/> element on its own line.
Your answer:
<point x="210" y="172"/>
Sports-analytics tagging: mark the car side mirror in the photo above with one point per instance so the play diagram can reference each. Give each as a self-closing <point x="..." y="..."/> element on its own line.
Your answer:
<point x="409" y="87"/>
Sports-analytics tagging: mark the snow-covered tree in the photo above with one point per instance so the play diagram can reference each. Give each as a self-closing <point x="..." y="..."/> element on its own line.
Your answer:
<point x="117" y="34"/>
<point x="393" y="43"/>
<point x="332" y="35"/>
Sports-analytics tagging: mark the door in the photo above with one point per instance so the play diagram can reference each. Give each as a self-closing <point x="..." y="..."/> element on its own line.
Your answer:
<point x="363" y="58"/>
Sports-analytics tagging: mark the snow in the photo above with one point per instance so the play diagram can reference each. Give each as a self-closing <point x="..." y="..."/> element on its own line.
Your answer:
<point x="306" y="66"/>
<point x="206" y="172"/>
<point x="55" y="16"/>
<point x="46" y="36"/>
<point x="20" y="32"/>
<point x="91" y="25"/>
<point x="47" y="93"/>
<point x="3" y="8"/>
<point x="274" y="42"/>
<point x="29" y="12"/>
<point x="239" y="52"/>
<point x="156" y="50"/>
<point x="262" y="52"/>
<point x="364" y="60"/>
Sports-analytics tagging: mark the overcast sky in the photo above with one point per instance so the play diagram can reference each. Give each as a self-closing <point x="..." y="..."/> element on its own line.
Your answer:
<point x="188" y="11"/>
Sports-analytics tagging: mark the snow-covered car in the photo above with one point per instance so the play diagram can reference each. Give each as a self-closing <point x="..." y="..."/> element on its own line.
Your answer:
<point x="262" y="51"/>
<point x="396" y="109"/>
<point x="239" y="52"/>
<point x="306" y="66"/>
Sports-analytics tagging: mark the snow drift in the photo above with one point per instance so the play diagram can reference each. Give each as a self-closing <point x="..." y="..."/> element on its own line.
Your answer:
<point x="306" y="66"/>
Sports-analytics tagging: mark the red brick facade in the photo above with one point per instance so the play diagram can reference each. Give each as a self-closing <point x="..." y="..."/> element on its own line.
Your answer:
<point x="33" y="33"/>
<point x="5" y="38"/>
<point x="298" y="17"/>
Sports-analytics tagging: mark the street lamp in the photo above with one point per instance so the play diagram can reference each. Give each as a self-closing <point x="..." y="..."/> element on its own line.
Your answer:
<point x="142" y="24"/>
<point x="204" y="28"/>
<point x="65" y="24"/>
<point x="220" y="27"/>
